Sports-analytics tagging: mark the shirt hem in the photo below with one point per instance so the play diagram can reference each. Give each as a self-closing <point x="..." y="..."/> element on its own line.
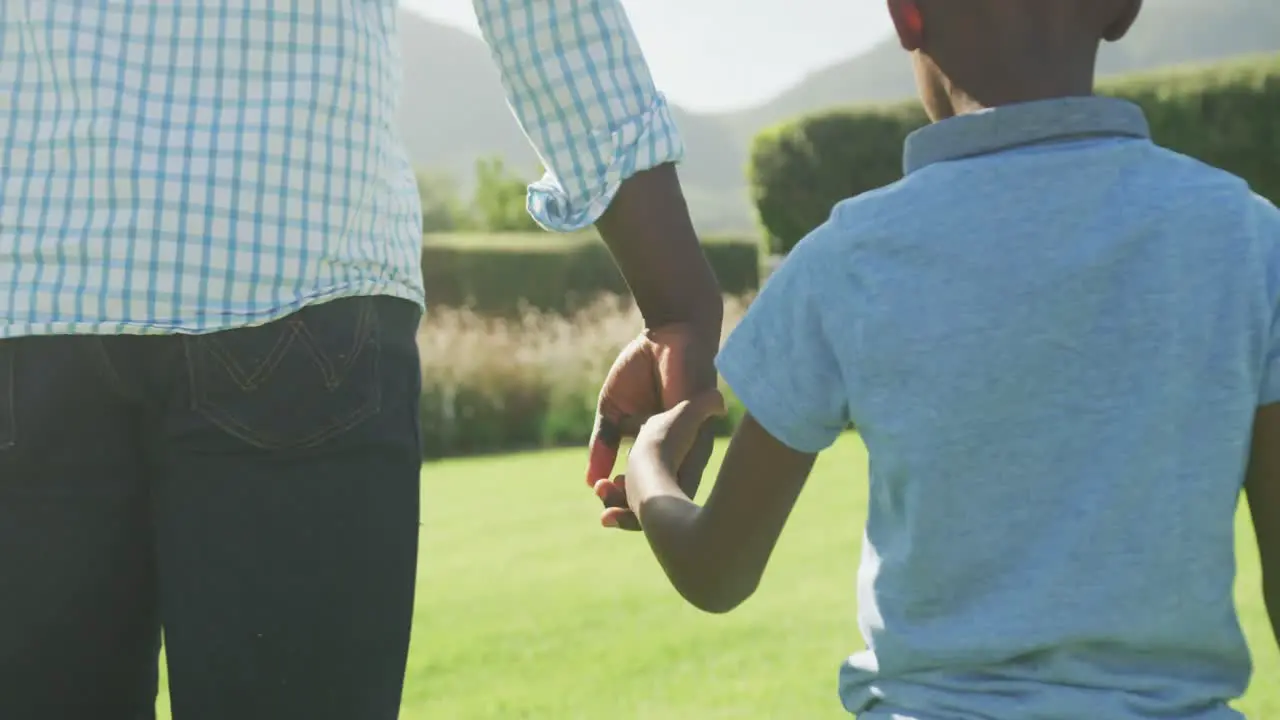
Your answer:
<point x="106" y="326"/>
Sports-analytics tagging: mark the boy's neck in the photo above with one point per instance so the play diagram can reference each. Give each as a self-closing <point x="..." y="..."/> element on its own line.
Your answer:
<point x="975" y="85"/>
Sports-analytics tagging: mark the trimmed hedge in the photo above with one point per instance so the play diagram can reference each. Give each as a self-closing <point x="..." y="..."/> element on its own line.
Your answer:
<point x="1227" y="115"/>
<point x="800" y="170"/>
<point x="503" y="276"/>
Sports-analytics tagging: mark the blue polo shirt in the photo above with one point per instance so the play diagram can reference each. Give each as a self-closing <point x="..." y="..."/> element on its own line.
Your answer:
<point x="1053" y="336"/>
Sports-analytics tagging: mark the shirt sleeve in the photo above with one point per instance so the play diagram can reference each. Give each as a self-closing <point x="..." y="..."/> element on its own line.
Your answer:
<point x="780" y="362"/>
<point x="578" y="83"/>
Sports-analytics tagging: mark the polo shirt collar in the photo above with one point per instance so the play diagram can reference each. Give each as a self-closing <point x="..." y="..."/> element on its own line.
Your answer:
<point x="1012" y="126"/>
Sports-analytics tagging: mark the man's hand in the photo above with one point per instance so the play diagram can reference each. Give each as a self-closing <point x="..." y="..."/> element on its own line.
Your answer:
<point x="653" y="374"/>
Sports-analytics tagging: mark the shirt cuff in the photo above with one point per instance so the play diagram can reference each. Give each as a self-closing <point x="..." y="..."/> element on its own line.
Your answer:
<point x="639" y="144"/>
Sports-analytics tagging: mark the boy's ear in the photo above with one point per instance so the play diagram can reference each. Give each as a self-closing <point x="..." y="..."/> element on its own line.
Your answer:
<point x="908" y="22"/>
<point x="1124" y="20"/>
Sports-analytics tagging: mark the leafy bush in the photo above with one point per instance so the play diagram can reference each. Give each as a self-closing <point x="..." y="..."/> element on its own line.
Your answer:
<point x="497" y="384"/>
<point x="504" y="275"/>
<point x="1225" y="115"/>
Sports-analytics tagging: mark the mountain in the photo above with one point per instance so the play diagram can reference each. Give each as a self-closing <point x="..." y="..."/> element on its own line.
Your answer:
<point x="454" y="110"/>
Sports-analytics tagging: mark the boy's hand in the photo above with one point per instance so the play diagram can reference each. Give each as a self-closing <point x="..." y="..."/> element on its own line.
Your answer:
<point x="665" y="442"/>
<point x="669" y="437"/>
<point x="655" y="372"/>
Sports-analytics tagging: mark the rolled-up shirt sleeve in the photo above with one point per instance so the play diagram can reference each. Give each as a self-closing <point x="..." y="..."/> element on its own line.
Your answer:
<point x="578" y="83"/>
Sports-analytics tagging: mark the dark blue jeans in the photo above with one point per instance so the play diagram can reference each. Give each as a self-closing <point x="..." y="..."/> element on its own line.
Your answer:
<point x="253" y="492"/>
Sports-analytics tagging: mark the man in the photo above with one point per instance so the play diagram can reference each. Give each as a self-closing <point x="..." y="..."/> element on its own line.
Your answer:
<point x="209" y="294"/>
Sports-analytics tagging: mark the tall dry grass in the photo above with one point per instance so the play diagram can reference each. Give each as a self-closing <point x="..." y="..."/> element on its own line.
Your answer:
<point x="491" y="384"/>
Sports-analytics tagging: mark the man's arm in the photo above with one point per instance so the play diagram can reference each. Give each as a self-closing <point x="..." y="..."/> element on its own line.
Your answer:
<point x="1262" y="486"/>
<point x="578" y="83"/>
<point x="651" y="237"/>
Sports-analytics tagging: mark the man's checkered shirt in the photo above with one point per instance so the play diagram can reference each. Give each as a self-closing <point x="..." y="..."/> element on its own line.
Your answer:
<point x="190" y="167"/>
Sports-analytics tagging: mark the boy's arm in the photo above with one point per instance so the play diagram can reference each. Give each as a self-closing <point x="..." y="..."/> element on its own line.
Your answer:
<point x="1262" y="482"/>
<point x="715" y="555"/>
<point x="783" y="367"/>
<point x="1263" y="488"/>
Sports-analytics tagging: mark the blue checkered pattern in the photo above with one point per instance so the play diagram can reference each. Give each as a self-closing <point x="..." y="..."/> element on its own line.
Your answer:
<point x="184" y="167"/>
<point x="579" y="85"/>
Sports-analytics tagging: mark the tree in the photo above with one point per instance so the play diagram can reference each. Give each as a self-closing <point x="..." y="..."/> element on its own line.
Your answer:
<point x="499" y="202"/>
<point x="442" y="210"/>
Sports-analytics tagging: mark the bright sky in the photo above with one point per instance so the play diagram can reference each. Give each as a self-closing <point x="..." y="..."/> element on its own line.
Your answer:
<point x="718" y="55"/>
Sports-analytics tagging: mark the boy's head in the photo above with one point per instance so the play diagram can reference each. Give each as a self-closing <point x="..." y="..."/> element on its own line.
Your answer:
<point x="974" y="54"/>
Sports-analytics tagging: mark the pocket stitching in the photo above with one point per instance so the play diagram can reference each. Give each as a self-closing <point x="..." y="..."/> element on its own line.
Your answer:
<point x="199" y="352"/>
<point x="334" y="373"/>
<point x="246" y="380"/>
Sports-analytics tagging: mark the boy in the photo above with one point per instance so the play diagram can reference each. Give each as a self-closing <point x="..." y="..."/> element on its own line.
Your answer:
<point x="1060" y="344"/>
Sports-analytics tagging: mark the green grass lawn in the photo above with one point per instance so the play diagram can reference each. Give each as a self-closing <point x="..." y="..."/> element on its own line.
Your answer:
<point x="526" y="609"/>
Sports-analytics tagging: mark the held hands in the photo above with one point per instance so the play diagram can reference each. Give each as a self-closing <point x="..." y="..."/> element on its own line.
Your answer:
<point x="655" y="372"/>
<point x="664" y="445"/>
<point x="667" y="439"/>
